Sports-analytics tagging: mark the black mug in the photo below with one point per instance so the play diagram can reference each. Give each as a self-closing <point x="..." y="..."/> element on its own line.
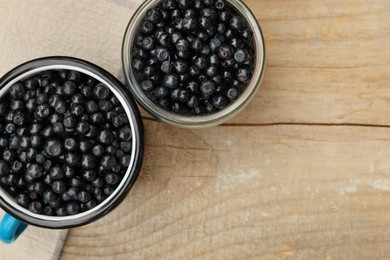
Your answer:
<point x="17" y="218"/>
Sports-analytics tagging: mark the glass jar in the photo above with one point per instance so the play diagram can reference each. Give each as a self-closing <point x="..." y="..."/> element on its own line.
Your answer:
<point x="194" y="121"/>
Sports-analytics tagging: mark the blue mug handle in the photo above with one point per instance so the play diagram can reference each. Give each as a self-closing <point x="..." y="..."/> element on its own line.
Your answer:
<point x="11" y="228"/>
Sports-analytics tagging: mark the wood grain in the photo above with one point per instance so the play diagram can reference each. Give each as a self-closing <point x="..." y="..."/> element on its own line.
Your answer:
<point x="301" y="173"/>
<point x="303" y="192"/>
<point x="34" y="243"/>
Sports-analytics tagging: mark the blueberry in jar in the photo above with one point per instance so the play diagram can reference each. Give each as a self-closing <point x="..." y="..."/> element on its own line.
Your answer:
<point x="202" y="41"/>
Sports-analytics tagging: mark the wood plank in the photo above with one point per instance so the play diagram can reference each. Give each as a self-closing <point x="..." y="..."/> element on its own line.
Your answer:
<point x="305" y="192"/>
<point x="34" y="243"/>
<point x="327" y="61"/>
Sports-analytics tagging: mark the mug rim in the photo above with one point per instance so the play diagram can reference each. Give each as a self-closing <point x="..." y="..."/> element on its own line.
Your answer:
<point x="119" y="90"/>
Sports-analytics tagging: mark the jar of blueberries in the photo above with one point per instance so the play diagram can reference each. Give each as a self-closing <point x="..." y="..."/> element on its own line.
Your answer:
<point x="193" y="63"/>
<point x="71" y="144"/>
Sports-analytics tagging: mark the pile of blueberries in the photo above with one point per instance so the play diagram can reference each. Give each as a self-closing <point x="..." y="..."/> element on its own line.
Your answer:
<point x="193" y="57"/>
<point x="65" y="142"/>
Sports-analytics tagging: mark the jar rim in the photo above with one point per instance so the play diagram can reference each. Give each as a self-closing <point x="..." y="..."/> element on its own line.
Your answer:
<point x="193" y="121"/>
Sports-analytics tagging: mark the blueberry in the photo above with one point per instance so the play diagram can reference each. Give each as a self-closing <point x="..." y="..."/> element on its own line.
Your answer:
<point x="205" y="50"/>
<point x="4" y="168"/>
<point x="53" y="147"/>
<point x="38" y="187"/>
<point x="208" y="2"/>
<point x="56" y="173"/>
<point x="40" y="158"/>
<point x="77" y="110"/>
<point x="4" y="142"/>
<point x="85" y="146"/>
<point x="164" y="40"/>
<point x="88" y="175"/>
<point x="105" y="105"/>
<point x="17" y="167"/>
<point x="161" y="54"/>
<point x="198" y="4"/>
<point x="225" y="52"/>
<point x="100" y="91"/>
<point x="74" y="76"/>
<point x="184" y="4"/>
<point x="10" y="128"/>
<point x="227" y="64"/>
<point x="184" y="95"/>
<point x="171" y="81"/>
<point x="58" y="128"/>
<point x="240" y="56"/>
<point x="88" y="161"/>
<point x="147" y="28"/>
<point x="212" y="71"/>
<point x="58" y="186"/>
<point x="244" y="75"/>
<point x="108" y="190"/>
<point x="22" y="199"/>
<point x="69" y="88"/>
<point x="61" y="211"/>
<point x="82" y="127"/>
<point x="137" y="64"/>
<point x="237" y="23"/>
<point x="34" y="170"/>
<point x="84" y="196"/>
<point x="106" y="137"/>
<point x="182" y="44"/>
<point x="215" y="43"/>
<point x="205" y="22"/>
<point x="97" y="118"/>
<point x="189" y="23"/>
<point x="148" y="43"/>
<point x="197" y="45"/>
<point x="90" y="204"/>
<point x="69" y="122"/>
<point x="193" y="102"/>
<point x="14" y="142"/>
<point x="166" y="67"/>
<point x="220" y="4"/>
<point x="201" y="62"/>
<point x="209" y="107"/>
<point x="180" y="66"/>
<point x="72" y="208"/>
<point x="69" y="172"/>
<point x="35" y="207"/>
<point x="17" y="90"/>
<point x="247" y="34"/>
<point x="17" y="105"/>
<point x="25" y="142"/>
<point x="48" y="211"/>
<point x="153" y="15"/>
<point x="125" y="134"/>
<point x="219" y="102"/>
<point x="164" y="103"/>
<point x="108" y="161"/>
<point x="98" y="182"/>
<point x="70" y="144"/>
<point x="42" y="112"/>
<point x="72" y="159"/>
<point x="207" y="88"/>
<point x="9" y="155"/>
<point x="237" y="43"/>
<point x="119" y="120"/>
<point x="42" y="99"/>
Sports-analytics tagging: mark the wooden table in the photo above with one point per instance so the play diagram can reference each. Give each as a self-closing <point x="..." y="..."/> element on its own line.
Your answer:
<point x="302" y="173"/>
